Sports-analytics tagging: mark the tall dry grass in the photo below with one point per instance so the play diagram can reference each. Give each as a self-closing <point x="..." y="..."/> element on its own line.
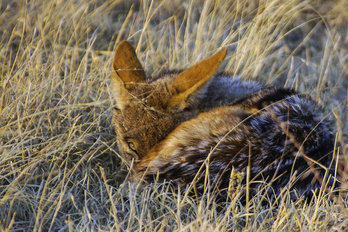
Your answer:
<point x="59" y="167"/>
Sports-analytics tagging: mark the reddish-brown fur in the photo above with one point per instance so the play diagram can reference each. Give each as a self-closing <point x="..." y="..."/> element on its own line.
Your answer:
<point x="192" y="124"/>
<point x="148" y="110"/>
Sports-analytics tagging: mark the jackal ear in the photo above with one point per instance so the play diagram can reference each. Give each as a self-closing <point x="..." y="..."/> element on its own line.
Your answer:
<point x="127" y="71"/>
<point x="190" y="80"/>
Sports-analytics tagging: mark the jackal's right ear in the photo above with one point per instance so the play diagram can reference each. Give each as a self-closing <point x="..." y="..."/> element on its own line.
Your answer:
<point x="127" y="72"/>
<point x="192" y="79"/>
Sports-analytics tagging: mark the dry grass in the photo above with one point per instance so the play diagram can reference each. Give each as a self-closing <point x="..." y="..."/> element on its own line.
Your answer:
<point x="59" y="169"/>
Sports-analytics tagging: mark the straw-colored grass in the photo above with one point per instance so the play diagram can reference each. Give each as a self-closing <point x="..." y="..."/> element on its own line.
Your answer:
<point x="59" y="166"/>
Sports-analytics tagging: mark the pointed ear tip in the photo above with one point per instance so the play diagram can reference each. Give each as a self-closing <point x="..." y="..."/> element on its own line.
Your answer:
<point x="220" y="55"/>
<point x="123" y="46"/>
<point x="124" y="43"/>
<point x="223" y="52"/>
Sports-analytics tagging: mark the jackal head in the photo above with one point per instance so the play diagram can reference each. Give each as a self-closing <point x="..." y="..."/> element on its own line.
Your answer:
<point x="146" y="110"/>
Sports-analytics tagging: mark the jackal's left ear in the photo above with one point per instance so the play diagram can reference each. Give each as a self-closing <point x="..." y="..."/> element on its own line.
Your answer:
<point x="190" y="80"/>
<point x="127" y="72"/>
<point x="126" y="65"/>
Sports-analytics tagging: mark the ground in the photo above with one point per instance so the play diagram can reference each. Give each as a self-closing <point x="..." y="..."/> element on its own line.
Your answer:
<point x="59" y="165"/>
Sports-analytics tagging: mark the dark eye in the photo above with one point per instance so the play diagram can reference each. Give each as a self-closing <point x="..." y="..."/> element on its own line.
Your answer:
<point x="132" y="146"/>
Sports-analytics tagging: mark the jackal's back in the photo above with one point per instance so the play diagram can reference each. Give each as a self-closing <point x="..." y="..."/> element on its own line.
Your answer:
<point x="276" y="132"/>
